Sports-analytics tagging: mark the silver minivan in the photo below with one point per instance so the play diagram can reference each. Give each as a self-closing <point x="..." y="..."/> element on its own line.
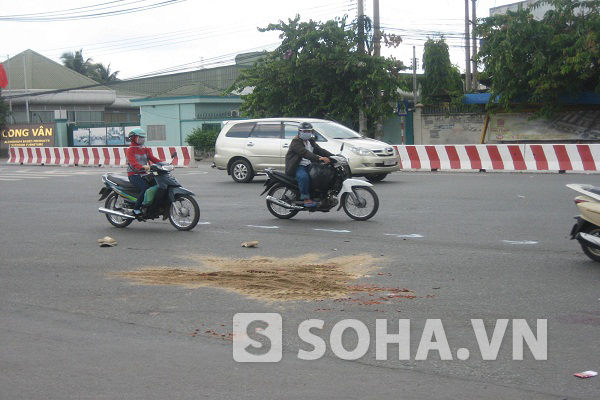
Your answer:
<point x="247" y="147"/>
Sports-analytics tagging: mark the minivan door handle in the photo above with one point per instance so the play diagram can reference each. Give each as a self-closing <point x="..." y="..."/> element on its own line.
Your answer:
<point x="286" y="145"/>
<point x="250" y="144"/>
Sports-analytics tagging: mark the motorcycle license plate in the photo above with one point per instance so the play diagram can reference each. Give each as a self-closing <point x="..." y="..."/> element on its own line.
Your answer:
<point x="389" y="162"/>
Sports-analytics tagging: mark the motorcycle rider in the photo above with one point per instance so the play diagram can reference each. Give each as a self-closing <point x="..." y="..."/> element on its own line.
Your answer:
<point x="302" y="151"/>
<point x="138" y="157"/>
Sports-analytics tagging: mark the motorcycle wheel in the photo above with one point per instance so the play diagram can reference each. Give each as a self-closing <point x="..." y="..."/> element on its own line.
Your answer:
<point x="281" y="192"/>
<point x="116" y="203"/>
<point x="366" y="205"/>
<point x="188" y="215"/>
<point x="589" y="251"/>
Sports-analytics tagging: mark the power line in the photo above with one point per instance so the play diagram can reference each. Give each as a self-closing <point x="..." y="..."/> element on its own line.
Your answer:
<point x="72" y="15"/>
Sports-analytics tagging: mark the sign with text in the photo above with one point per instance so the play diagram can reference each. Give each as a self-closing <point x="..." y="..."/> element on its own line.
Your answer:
<point x="28" y="135"/>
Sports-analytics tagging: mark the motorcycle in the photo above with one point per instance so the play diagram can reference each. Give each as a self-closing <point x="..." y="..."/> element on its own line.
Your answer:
<point x="330" y="186"/>
<point x="165" y="197"/>
<point x="587" y="228"/>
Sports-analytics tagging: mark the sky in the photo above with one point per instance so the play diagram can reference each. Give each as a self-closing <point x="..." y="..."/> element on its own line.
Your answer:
<point x="149" y="37"/>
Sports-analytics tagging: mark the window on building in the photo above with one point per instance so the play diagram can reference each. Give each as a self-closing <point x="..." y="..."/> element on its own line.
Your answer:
<point x="121" y="117"/>
<point x="86" y="117"/>
<point x="157" y="133"/>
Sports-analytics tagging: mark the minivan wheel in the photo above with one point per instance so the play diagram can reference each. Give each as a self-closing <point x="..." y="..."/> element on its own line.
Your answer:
<point x="241" y="171"/>
<point x="375" y="177"/>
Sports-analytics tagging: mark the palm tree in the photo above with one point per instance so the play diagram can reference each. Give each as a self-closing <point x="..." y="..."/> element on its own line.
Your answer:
<point x="75" y="62"/>
<point x="103" y="74"/>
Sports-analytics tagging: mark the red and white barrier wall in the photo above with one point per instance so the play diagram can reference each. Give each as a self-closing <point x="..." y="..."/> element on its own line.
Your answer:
<point x="502" y="157"/>
<point x="90" y="156"/>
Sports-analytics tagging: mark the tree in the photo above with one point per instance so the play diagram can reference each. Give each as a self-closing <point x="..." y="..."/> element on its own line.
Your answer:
<point x="441" y="80"/>
<point x="103" y="74"/>
<point x="531" y="61"/>
<point x="96" y="71"/>
<point x="317" y="71"/>
<point x="75" y="61"/>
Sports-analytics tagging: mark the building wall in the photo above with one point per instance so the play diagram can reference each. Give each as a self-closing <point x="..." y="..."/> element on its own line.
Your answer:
<point x="181" y="116"/>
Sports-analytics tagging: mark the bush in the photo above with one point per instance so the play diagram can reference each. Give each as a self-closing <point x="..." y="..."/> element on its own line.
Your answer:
<point x="203" y="140"/>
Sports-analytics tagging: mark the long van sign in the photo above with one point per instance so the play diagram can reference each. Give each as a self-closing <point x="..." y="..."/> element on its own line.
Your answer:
<point x="29" y="135"/>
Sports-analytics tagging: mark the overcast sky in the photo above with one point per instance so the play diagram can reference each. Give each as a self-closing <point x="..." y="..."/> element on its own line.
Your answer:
<point x="177" y="35"/>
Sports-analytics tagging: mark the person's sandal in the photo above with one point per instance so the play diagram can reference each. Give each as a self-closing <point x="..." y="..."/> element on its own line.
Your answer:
<point x="310" y="204"/>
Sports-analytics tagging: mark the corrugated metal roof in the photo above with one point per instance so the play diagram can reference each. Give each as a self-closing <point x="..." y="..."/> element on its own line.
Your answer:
<point x="203" y="82"/>
<point x="43" y="73"/>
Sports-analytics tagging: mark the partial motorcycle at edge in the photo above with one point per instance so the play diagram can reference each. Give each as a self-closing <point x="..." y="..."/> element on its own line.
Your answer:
<point x="587" y="228"/>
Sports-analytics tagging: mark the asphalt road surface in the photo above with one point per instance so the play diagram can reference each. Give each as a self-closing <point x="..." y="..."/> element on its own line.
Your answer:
<point x="489" y="247"/>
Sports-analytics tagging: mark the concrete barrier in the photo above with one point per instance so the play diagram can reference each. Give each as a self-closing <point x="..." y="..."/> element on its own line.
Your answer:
<point x="93" y="156"/>
<point x="502" y="157"/>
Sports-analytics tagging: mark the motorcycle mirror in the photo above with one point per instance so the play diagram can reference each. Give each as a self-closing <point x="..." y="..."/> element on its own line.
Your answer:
<point x="174" y="154"/>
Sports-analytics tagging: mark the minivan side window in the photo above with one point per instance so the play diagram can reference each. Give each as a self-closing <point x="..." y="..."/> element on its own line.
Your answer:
<point x="240" y="130"/>
<point x="267" y="130"/>
<point x="291" y="130"/>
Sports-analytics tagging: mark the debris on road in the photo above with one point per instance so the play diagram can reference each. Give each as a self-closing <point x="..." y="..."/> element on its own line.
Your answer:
<point x="586" y="374"/>
<point x="253" y="243"/>
<point x="270" y="279"/>
<point x="107" y="241"/>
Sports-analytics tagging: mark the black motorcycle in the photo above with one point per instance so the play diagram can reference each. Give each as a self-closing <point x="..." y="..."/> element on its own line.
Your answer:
<point x="329" y="186"/>
<point x="165" y="198"/>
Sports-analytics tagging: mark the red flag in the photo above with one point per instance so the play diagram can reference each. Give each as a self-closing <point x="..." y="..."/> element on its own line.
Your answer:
<point x="3" y="77"/>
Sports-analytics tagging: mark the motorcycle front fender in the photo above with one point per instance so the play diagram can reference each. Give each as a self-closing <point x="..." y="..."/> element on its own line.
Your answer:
<point x="350" y="183"/>
<point x="173" y="192"/>
<point x="348" y="186"/>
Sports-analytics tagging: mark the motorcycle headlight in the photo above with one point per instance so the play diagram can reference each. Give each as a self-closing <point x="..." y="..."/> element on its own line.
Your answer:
<point x="361" y="151"/>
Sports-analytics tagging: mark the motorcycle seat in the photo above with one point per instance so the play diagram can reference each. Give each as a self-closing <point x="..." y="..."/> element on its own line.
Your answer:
<point x="121" y="180"/>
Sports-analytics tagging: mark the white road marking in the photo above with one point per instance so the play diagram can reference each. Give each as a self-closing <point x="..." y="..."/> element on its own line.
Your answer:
<point x="411" y="235"/>
<point x="16" y="176"/>
<point x="204" y="223"/>
<point x="333" y="230"/>
<point x="263" y="227"/>
<point x="520" y="241"/>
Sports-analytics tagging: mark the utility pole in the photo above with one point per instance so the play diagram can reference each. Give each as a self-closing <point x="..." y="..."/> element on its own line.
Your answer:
<point x="362" y="118"/>
<point x="414" y="65"/>
<point x="26" y="90"/>
<point x="377" y="53"/>
<point x="474" y="25"/>
<point x="376" y="29"/>
<point x="467" y="50"/>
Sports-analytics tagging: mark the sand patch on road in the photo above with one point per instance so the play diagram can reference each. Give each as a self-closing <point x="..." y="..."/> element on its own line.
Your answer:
<point x="271" y="279"/>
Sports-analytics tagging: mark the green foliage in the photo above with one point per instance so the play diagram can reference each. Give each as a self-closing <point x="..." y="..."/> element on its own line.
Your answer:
<point x="103" y="74"/>
<point x="441" y="80"/>
<point x="317" y="71"/>
<point x="530" y="61"/>
<point x="96" y="71"/>
<point x="203" y="139"/>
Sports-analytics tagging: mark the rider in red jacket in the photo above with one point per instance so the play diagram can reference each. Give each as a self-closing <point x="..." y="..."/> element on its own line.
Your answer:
<point x="138" y="157"/>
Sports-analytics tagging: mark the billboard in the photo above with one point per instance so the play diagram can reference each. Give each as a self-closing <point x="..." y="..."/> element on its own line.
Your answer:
<point x="28" y="135"/>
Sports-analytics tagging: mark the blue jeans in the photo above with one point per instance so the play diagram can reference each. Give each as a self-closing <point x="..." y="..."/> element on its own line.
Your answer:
<point x="141" y="184"/>
<point x="303" y="181"/>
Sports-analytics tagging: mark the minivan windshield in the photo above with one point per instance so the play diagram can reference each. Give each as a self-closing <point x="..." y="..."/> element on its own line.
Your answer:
<point x="335" y="131"/>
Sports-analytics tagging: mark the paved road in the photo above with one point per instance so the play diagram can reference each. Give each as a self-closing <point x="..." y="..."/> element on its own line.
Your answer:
<point x="468" y="246"/>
